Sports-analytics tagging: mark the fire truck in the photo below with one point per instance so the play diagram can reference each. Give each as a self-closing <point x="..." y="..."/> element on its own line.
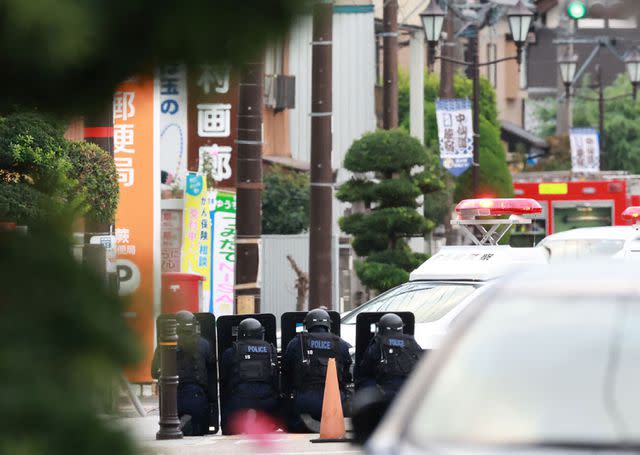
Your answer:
<point x="573" y="201"/>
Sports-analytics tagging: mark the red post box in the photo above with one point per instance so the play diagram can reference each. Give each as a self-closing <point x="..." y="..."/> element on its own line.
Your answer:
<point x="181" y="291"/>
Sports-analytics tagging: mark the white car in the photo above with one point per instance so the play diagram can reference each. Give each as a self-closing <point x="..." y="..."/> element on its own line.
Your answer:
<point x="609" y="241"/>
<point x="441" y="288"/>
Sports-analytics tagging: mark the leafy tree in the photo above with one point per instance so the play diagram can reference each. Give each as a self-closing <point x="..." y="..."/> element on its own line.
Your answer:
<point x="95" y="171"/>
<point x="384" y="183"/>
<point x="285" y="202"/>
<point x="495" y="178"/>
<point x="34" y="167"/>
<point x="622" y="125"/>
<point x="67" y="55"/>
<point x="64" y="339"/>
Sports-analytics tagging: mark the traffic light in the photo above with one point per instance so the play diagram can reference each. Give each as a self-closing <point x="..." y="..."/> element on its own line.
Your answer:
<point x="577" y="9"/>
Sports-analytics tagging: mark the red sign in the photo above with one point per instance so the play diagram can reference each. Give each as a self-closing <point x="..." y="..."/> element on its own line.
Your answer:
<point x="212" y="119"/>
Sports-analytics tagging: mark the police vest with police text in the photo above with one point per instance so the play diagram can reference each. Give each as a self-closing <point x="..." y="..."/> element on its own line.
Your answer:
<point x="317" y="349"/>
<point x="254" y="361"/>
<point x="399" y="353"/>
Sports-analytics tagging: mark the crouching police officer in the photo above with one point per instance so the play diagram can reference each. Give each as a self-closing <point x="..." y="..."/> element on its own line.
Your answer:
<point x="249" y="375"/>
<point x="304" y="368"/>
<point x="389" y="358"/>
<point x="195" y="365"/>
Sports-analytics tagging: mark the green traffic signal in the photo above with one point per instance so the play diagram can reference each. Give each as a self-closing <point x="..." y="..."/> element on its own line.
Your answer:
<point x="577" y="9"/>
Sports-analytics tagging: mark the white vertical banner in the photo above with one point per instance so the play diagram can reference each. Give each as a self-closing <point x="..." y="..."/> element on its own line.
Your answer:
<point x="172" y="124"/>
<point x="585" y="150"/>
<point x="455" y="134"/>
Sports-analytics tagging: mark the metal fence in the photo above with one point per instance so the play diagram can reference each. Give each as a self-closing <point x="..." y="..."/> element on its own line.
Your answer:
<point x="278" y="293"/>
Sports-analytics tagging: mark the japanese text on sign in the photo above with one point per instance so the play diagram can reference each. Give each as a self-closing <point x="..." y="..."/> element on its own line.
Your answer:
<point x="455" y="133"/>
<point x="123" y="137"/>
<point x="585" y="150"/>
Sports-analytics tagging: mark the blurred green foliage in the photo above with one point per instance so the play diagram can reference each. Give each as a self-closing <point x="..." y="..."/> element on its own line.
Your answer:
<point x="621" y="122"/>
<point x="495" y="178"/>
<point x="64" y="340"/>
<point x="97" y="180"/>
<point x="285" y="202"/>
<point x="387" y="183"/>
<point x="40" y="168"/>
<point x="66" y="55"/>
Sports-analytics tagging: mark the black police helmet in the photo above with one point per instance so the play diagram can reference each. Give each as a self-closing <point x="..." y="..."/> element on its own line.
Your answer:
<point x="250" y="329"/>
<point x="186" y="323"/>
<point x="390" y="323"/>
<point x="317" y="318"/>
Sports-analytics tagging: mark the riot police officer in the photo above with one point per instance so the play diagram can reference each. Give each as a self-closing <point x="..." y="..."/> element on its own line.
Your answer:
<point x="195" y="366"/>
<point x="304" y="368"/>
<point x="249" y="375"/>
<point x="390" y="356"/>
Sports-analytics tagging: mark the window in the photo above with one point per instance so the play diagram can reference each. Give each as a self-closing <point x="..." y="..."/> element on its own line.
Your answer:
<point x="428" y="301"/>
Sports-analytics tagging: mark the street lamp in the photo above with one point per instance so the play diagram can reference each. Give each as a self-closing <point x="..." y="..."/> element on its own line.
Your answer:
<point x="568" y="65"/>
<point x="432" y="22"/>
<point x="633" y="68"/>
<point x="519" y="22"/>
<point x="519" y="18"/>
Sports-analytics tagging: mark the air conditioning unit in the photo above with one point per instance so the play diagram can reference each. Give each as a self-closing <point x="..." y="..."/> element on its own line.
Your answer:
<point x="280" y="92"/>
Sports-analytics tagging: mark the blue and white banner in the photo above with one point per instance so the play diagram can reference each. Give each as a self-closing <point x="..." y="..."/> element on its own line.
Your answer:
<point x="455" y="134"/>
<point x="585" y="150"/>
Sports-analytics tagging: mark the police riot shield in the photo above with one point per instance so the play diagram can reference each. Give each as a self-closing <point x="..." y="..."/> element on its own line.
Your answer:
<point x="292" y="323"/>
<point x="227" y="327"/>
<point x="366" y="326"/>
<point x="207" y="327"/>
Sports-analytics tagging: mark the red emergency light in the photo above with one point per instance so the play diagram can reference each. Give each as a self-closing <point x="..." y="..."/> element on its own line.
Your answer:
<point x="498" y="207"/>
<point x="631" y="214"/>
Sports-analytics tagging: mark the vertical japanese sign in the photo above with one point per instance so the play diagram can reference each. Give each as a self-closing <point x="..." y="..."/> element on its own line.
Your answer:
<point x="585" y="150"/>
<point x="196" y="240"/>
<point x="172" y="125"/>
<point x="213" y="123"/>
<point x="138" y="257"/>
<point x="455" y="134"/>
<point x="223" y="216"/>
<point x="171" y="232"/>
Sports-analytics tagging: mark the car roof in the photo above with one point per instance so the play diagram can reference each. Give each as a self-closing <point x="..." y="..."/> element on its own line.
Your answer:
<point x="605" y="277"/>
<point x="604" y="233"/>
<point x="476" y="263"/>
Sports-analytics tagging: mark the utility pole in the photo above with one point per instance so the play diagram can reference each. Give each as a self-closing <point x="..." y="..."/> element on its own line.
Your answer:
<point x="249" y="207"/>
<point x="321" y="200"/>
<point x="390" y="58"/>
<point x="475" y="72"/>
<point x="447" y="69"/>
<point x="601" y="112"/>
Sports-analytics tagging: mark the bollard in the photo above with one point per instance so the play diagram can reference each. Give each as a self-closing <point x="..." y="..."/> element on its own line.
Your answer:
<point x="169" y="422"/>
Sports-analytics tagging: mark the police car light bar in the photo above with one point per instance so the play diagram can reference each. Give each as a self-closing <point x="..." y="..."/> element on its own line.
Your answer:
<point x="497" y="207"/>
<point x="492" y="231"/>
<point x="632" y="214"/>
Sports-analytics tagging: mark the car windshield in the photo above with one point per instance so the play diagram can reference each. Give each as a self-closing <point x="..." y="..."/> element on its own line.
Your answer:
<point x="572" y="249"/>
<point x="531" y="371"/>
<point x="428" y="301"/>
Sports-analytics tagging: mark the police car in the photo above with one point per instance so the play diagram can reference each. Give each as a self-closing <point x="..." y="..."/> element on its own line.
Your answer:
<point x="620" y="242"/>
<point x="441" y="288"/>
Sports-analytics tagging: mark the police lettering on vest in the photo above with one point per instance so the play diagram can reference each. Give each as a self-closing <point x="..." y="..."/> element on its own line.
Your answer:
<point x="319" y="344"/>
<point x="396" y="343"/>
<point x="254" y="362"/>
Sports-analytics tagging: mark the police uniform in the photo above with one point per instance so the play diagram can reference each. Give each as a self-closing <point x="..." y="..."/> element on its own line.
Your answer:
<point x="248" y="380"/>
<point x="304" y="369"/>
<point x="195" y="367"/>
<point x="388" y="361"/>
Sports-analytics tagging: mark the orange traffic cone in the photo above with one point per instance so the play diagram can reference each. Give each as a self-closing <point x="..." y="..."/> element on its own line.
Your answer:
<point x="332" y="420"/>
